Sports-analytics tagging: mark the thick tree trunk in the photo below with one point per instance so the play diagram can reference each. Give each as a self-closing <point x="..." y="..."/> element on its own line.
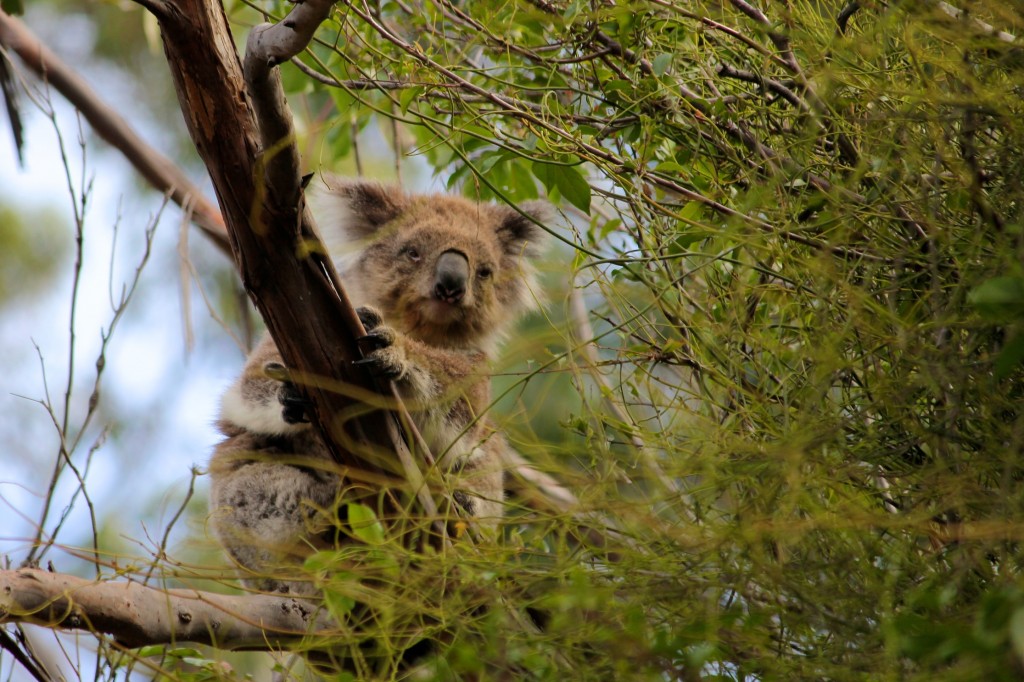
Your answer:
<point x="293" y="286"/>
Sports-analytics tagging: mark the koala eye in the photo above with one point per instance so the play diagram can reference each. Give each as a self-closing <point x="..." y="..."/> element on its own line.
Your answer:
<point x="484" y="272"/>
<point x="411" y="253"/>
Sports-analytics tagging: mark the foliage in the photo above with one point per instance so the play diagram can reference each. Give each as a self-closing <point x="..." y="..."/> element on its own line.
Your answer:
<point x="798" y="236"/>
<point x="781" y="366"/>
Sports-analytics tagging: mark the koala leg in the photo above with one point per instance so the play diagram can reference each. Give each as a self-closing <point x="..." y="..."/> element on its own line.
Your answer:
<point x="268" y="513"/>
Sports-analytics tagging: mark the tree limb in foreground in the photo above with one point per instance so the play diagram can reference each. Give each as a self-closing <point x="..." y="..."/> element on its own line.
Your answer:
<point x="137" y="615"/>
<point x="268" y="46"/>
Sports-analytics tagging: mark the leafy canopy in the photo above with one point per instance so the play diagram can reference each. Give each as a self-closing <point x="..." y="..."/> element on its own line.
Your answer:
<point x="790" y="407"/>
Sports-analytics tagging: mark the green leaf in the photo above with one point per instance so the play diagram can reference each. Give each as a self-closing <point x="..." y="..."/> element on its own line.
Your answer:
<point x="406" y="97"/>
<point x="691" y="211"/>
<point x="617" y="85"/>
<point x="1010" y="357"/>
<point x="685" y="240"/>
<point x="569" y="182"/>
<point x="13" y="7"/>
<point x="572" y="11"/>
<point x="321" y="562"/>
<point x="489" y="159"/>
<point x="198" y="661"/>
<point x="1000" y="298"/>
<point x="338" y="604"/>
<point x="364" y="523"/>
<point x="668" y="167"/>
<point x="661" y="64"/>
<point x="1017" y="631"/>
<point x="183" y="652"/>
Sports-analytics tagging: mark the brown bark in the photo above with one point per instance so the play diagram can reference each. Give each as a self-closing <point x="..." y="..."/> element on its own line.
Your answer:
<point x="279" y="183"/>
<point x="282" y="264"/>
<point x="137" y="615"/>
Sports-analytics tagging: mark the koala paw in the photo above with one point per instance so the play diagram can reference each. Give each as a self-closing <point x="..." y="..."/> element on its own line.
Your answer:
<point x="295" y="409"/>
<point x="384" y="358"/>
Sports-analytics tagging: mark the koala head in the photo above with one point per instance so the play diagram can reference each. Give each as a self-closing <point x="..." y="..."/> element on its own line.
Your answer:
<point x="445" y="270"/>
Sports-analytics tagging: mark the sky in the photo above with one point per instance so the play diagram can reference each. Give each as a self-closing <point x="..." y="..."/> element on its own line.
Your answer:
<point x="158" y="397"/>
<point x="163" y="395"/>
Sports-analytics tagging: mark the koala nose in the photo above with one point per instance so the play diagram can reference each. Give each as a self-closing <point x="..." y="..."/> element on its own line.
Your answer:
<point x="451" y="275"/>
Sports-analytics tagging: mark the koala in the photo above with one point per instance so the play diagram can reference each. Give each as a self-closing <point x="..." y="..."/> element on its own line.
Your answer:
<point x="437" y="279"/>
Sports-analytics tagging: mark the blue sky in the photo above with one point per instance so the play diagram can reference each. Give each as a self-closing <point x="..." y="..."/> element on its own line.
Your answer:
<point x="164" y="396"/>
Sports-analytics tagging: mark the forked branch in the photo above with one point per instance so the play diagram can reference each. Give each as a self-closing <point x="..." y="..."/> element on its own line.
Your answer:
<point x="268" y="46"/>
<point x="281" y="261"/>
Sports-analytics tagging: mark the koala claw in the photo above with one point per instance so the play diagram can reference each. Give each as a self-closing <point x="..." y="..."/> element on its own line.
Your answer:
<point x="375" y="344"/>
<point x="375" y="340"/>
<point x="294" y="408"/>
<point x="370" y="317"/>
<point x="380" y="366"/>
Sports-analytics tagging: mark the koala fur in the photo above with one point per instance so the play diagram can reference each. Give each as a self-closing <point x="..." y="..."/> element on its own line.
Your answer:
<point x="437" y="279"/>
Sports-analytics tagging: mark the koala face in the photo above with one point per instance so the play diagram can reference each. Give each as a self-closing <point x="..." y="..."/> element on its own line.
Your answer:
<point x="450" y="272"/>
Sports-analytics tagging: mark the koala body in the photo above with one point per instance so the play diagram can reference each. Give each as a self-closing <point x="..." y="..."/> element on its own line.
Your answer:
<point x="438" y="279"/>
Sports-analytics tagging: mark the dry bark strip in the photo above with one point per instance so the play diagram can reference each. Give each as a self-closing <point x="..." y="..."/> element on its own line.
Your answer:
<point x="137" y="615"/>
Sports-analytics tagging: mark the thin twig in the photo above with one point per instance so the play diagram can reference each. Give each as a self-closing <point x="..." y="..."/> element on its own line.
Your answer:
<point x="158" y="170"/>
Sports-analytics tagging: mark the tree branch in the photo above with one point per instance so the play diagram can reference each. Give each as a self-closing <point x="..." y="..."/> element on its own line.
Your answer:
<point x="137" y="615"/>
<point x="23" y="655"/>
<point x="158" y="170"/>
<point x="986" y="28"/>
<point x="269" y="45"/>
<point x="292" y="292"/>
<point x="283" y="264"/>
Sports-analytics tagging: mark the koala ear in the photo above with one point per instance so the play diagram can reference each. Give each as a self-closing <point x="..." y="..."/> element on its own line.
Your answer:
<point x="519" y="234"/>
<point x="355" y="208"/>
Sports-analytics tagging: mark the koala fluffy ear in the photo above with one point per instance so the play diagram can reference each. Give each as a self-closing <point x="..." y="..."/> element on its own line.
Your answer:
<point x="355" y="208"/>
<point x="519" y="234"/>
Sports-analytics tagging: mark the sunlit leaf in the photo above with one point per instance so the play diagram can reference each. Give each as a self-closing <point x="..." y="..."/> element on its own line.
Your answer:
<point x="364" y="523"/>
<point x="999" y="298"/>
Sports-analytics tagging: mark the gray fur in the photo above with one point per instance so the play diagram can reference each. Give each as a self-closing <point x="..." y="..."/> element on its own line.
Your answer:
<point x="274" y="485"/>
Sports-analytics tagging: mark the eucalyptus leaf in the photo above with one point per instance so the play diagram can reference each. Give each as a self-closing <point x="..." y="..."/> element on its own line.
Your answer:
<point x="568" y="180"/>
<point x="999" y="298"/>
<point x="364" y="523"/>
